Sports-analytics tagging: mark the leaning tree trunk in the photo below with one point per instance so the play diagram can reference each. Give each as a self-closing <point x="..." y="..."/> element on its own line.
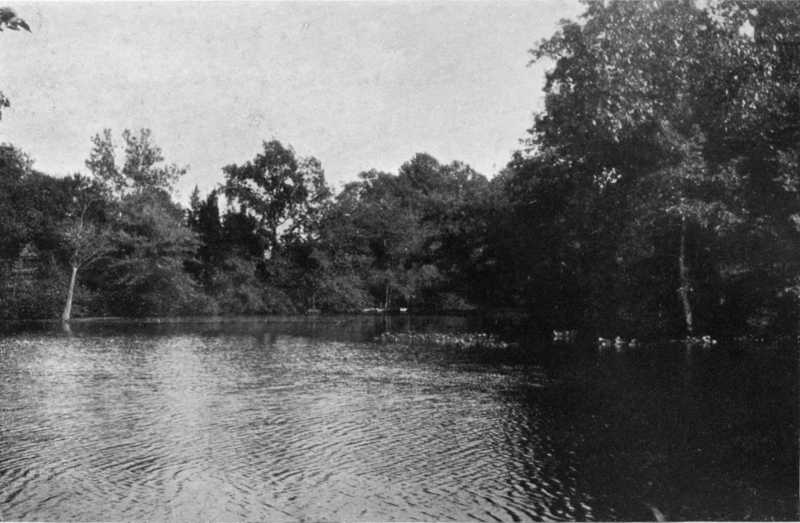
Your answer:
<point x="685" y="288"/>
<point x="68" y="306"/>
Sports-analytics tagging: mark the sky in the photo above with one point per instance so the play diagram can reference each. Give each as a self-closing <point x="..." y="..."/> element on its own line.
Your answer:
<point x="357" y="85"/>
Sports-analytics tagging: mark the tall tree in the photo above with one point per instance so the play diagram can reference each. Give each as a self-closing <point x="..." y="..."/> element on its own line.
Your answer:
<point x="281" y="191"/>
<point x="145" y="274"/>
<point x="85" y="237"/>
<point x="399" y="233"/>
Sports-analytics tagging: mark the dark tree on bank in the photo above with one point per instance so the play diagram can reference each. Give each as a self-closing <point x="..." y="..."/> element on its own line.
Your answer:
<point x="405" y="234"/>
<point x="281" y="192"/>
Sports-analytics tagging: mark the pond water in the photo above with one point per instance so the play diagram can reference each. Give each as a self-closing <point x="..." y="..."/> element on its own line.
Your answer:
<point x="298" y="419"/>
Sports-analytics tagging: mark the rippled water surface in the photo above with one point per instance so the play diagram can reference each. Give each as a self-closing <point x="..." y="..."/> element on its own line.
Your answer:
<point x="302" y="420"/>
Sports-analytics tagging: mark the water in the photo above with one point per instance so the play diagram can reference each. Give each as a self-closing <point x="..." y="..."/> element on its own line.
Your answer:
<point x="298" y="420"/>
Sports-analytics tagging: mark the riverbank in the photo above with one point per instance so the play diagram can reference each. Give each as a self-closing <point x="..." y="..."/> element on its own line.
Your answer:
<point x="514" y="327"/>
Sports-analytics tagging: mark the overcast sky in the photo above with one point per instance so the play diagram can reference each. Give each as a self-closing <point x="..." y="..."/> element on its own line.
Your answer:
<point x="358" y="85"/>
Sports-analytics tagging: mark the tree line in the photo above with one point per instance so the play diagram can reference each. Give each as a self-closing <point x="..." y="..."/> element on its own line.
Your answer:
<point x="658" y="192"/>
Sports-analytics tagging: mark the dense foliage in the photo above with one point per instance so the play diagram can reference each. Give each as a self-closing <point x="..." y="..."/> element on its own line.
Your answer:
<point x="659" y="190"/>
<point x="669" y="148"/>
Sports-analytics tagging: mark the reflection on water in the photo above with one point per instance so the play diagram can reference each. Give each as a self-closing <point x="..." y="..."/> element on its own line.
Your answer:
<point x="297" y="420"/>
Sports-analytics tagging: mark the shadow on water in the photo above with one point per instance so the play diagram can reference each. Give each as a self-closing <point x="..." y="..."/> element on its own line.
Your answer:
<point x="708" y="434"/>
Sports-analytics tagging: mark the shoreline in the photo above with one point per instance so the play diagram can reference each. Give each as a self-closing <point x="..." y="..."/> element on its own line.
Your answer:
<point x="334" y="318"/>
<point x="507" y="313"/>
